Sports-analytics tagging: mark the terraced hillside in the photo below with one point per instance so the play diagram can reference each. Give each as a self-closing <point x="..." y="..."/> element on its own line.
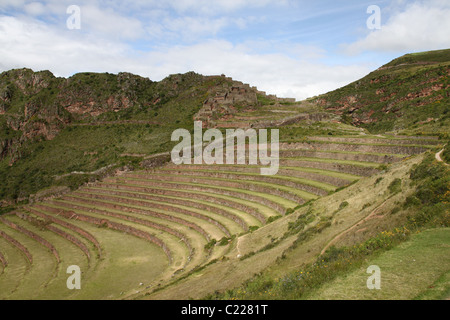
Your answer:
<point x="137" y="232"/>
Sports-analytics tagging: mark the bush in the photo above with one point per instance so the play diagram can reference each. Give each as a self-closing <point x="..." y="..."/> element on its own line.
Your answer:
<point x="223" y="241"/>
<point x="343" y="205"/>
<point x="395" y="186"/>
<point x="378" y="180"/>
<point x="210" y="244"/>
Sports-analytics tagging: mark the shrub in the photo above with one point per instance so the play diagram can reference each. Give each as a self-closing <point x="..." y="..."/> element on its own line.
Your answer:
<point x="273" y="218"/>
<point x="378" y="180"/>
<point x="343" y="205"/>
<point x="395" y="186"/>
<point x="223" y="241"/>
<point x="210" y="244"/>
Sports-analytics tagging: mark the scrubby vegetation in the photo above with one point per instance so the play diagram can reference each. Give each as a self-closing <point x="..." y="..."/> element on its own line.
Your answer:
<point x="428" y="208"/>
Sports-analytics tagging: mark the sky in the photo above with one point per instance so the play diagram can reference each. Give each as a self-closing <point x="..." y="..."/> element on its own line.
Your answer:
<point x="291" y="48"/>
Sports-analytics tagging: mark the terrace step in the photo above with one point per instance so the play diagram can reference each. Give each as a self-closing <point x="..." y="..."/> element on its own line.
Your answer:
<point x="59" y="232"/>
<point x="367" y="140"/>
<point x="210" y="206"/>
<point x="338" y="167"/>
<point x="110" y="225"/>
<point x="83" y="233"/>
<point x="274" y="180"/>
<point x="213" y="198"/>
<point x="361" y="148"/>
<point x="323" y="178"/>
<point x="229" y="188"/>
<point x="32" y="235"/>
<point x="360" y="157"/>
<point x="168" y="208"/>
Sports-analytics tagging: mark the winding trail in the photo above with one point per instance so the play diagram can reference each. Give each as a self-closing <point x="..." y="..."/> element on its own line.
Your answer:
<point x="438" y="157"/>
<point x="340" y="235"/>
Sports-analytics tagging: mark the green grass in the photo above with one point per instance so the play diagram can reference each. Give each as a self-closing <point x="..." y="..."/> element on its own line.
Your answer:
<point x="284" y="202"/>
<point x="324" y="160"/>
<point x="407" y="271"/>
<point x="320" y="185"/>
<point x="410" y="74"/>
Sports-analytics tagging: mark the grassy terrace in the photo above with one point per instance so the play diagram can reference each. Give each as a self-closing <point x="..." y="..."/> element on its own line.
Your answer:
<point x="206" y="181"/>
<point x="175" y="199"/>
<point x="288" y="196"/>
<point x="278" y="179"/>
<point x="270" y="208"/>
<point x="223" y="217"/>
<point x="335" y="161"/>
<point x="176" y="218"/>
<point x="179" y="250"/>
<point x="204" y="189"/>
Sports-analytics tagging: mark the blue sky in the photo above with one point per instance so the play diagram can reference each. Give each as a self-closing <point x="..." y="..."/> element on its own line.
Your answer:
<point x="289" y="48"/>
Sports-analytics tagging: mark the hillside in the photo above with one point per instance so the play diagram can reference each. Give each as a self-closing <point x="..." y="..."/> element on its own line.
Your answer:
<point x="87" y="181"/>
<point x="408" y="95"/>
<point x="90" y="123"/>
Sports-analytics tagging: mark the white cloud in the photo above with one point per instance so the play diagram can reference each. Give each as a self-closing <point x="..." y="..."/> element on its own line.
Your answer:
<point x="37" y="46"/>
<point x="108" y="23"/>
<point x="421" y="26"/>
<point x="34" y="8"/>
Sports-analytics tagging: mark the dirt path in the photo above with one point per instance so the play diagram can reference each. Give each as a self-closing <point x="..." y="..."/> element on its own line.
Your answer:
<point x="340" y="235"/>
<point x="237" y="247"/>
<point x="438" y="157"/>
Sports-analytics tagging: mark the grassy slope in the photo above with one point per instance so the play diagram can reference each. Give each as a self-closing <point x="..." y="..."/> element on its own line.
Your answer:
<point x="145" y="128"/>
<point x="394" y="97"/>
<point x="408" y="271"/>
<point x="276" y="252"/>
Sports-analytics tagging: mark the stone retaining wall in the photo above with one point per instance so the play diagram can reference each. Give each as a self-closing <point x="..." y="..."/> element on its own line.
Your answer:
<point x="17" y="244"/>
<point x="243" y="177"/>
<point x="197" y="205"/>
<point x="69" y="226"/>
<point x="113" y="226"/>
<point x="251" y="211"/>
<point x="150" y="205"/>
<point x="338" y="167"/>
<point x="58" y="231"/>
<point x="239" y="195"/>
<point x="378" y="141"/>
<point x="338" y="182"/>
<point x="386" y="159"/>
<point x="219" y="183"/>
<point x="406" y="150"/>
<point x="150" y="224"/>
<point x="3" y="260"/>
<point x="34" y="236"/>
<point x="149" y="213"/>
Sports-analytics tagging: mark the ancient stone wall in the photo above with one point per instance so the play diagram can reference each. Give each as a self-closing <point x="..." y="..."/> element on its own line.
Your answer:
<point x="57" y="231"/>
<point x="34" y="236"/>
<point x="340" y="156"/>
<point x="69" y="226"/>
<point x="339" y="167"/>
<point x="114" y="226"/>
<point x="239" y="195"/>
<point x="17" y="244"/>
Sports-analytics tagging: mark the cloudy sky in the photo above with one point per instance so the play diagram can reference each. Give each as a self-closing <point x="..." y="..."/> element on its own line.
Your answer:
<point x="292" y="48"/>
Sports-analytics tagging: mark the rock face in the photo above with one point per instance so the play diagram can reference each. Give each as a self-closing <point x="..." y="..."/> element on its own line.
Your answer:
<point x="38" y="105"/>
<point x="409" y="90"/>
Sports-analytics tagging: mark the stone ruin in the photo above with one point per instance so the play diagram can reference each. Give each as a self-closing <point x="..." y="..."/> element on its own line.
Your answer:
<point x="228" y="99"/>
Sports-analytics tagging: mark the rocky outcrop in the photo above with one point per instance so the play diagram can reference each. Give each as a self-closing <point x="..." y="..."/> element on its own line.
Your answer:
<point x="226" y="101"/>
